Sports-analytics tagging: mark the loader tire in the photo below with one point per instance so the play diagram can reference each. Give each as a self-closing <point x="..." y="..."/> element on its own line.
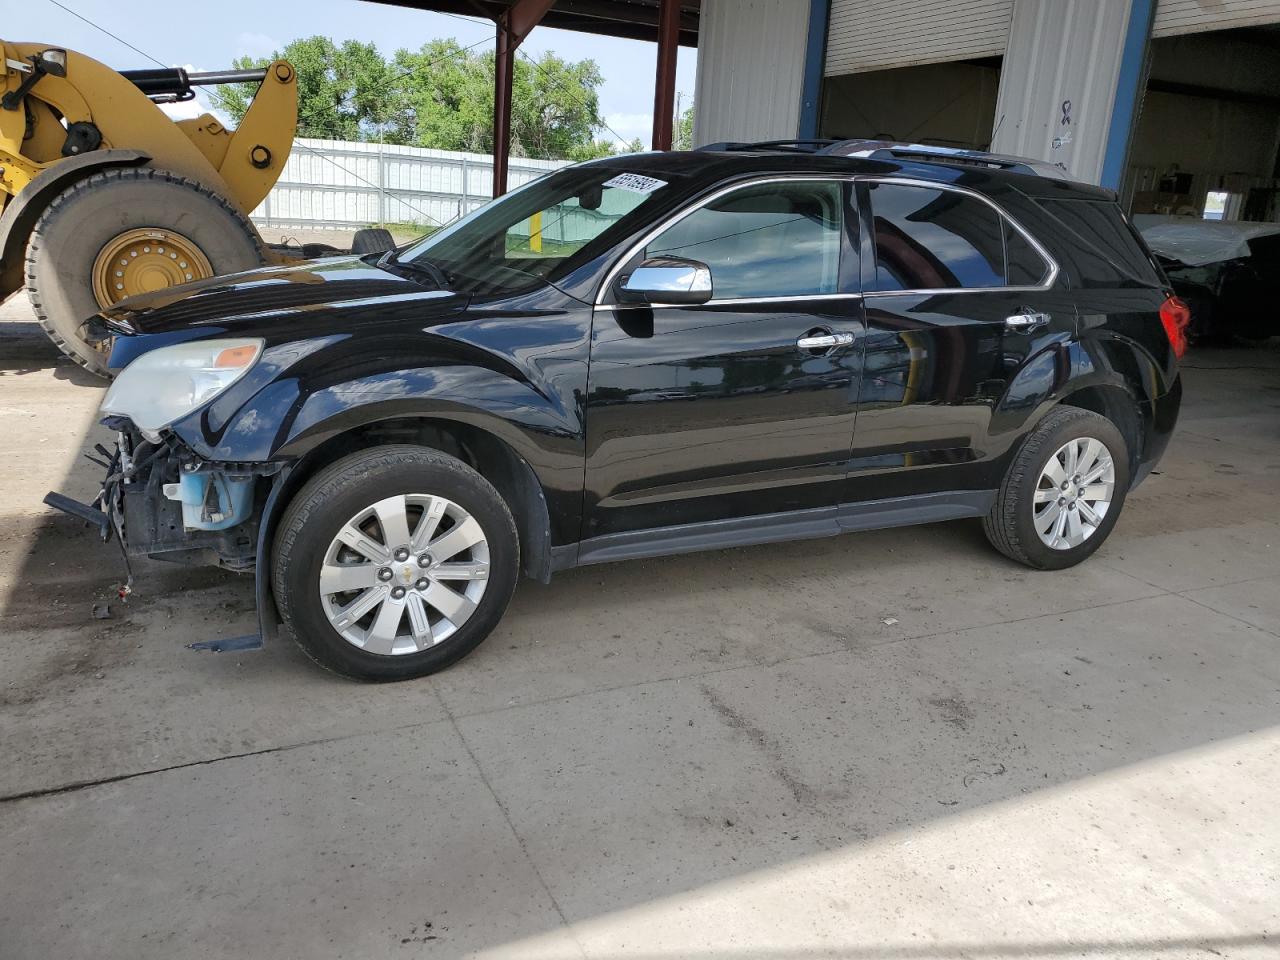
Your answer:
<point x="100" y="212"/>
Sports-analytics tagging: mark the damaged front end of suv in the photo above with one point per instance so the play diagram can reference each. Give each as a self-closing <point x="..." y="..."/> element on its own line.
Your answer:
<point x="178" y="384"/>
<point x="160" y="498"/>
<point x="175" y="504"/>
<point x="224" y="385"/>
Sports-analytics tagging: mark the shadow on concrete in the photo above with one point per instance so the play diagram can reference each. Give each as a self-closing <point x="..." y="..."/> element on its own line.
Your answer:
<point x="1163" y="947"/>
<point x="25" y="349"/>
<point x="797" y="721"/>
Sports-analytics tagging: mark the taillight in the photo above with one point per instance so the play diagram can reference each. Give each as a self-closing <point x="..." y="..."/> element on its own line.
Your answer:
<point x="1176" y="317"/>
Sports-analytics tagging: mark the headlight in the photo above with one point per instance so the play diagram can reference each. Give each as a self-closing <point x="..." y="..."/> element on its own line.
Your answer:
<point x="168" y="383"/>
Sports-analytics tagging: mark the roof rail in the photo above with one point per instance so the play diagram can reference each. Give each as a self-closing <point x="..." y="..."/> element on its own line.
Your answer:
<point x="930" y="153"/>
<point x="891" y="150"/>
<point x="796" y="146"/>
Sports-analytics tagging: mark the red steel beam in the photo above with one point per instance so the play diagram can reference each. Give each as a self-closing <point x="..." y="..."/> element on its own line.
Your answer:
<point x="512" y="27"/>
<point x="611" y="18"/>
<point x="525" y="15"/>
<point x="664" y="91"/>
<point x="503" y="66"/>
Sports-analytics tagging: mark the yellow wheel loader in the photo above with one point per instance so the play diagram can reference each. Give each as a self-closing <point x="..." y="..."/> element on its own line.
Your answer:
<point x="103" y="196"/>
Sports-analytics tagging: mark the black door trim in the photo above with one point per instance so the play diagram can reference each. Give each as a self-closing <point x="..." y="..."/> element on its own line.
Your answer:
<point x="920" y="508"/>
<point x="775" y="527"/>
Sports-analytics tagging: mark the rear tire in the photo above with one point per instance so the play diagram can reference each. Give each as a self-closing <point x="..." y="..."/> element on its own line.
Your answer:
<point x="1029" y="501"/>
<point x="90" y="215"/>
<point x="445" y="606"/>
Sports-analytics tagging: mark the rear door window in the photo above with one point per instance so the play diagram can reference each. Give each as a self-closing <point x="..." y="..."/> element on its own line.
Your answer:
<point x="929" y="238"/>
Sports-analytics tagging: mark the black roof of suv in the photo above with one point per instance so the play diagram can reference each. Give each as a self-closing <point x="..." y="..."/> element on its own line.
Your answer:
<point x="893" y="150"/>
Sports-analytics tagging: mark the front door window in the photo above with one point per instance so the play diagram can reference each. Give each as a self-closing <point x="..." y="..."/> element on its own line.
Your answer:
<point x="768" y="240"/>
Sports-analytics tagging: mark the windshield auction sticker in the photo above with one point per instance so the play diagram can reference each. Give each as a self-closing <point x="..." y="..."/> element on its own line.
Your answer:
<point x="635" y="183"/>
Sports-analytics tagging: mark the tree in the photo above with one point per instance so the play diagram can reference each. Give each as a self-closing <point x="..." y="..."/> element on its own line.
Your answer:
<point x="440" y="96"/>
<point x="684" y="130"/>
<point x="448" y="103"/>
<point x="444" y="97"/>
<point x="344" y="92"/>
<point x="556" y="108"/>
<point x="603" y="148"/>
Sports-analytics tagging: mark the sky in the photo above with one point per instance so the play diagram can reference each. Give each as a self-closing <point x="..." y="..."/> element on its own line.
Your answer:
<point x="218" y="33"/>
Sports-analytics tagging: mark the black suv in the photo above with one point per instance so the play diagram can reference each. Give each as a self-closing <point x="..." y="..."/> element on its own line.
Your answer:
<point x="645" y="355"/>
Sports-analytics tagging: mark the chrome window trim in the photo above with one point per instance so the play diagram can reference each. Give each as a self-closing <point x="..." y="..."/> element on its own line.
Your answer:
<point x="728" y="301"/>
<point x="694" y="208"/>
<point x="1046" y="284"/>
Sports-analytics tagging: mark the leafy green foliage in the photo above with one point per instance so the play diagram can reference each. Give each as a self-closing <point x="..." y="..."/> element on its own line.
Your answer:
<point x="440" y="96"/>
<point x="341" y="89"/>
<point x="684" y="130"/>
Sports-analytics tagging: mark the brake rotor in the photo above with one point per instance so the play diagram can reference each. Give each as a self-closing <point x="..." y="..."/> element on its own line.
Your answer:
<point x="144" y="260"/>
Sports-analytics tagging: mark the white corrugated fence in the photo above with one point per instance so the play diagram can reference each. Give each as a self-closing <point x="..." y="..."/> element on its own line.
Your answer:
<point x="344" y="184"/>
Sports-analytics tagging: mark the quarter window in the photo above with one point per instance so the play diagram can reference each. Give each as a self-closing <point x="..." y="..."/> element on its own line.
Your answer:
<point x="769" y="240"/>
<point x="1026" y="268"/>
<point x="932" y="239"/>
<point x="1102" y="228"/>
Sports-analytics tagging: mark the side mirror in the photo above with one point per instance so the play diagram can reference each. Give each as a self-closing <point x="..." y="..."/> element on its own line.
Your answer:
<point x="667" y="280"/>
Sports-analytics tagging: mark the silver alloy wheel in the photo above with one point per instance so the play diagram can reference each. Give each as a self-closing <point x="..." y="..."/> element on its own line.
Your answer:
<point x="404" y="574"/>
<point x="1074" y="493"/>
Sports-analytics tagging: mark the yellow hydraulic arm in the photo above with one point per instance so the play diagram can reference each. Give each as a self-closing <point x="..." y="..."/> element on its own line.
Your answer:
<point x="73" y="104"/>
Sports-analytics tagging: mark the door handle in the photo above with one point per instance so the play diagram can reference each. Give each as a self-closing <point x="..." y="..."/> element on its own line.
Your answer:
<point x="1026" y="321"/>
<point x="824" y="341"/>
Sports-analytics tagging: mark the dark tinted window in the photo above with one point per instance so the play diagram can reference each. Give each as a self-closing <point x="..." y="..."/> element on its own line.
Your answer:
<point x="929" y="239"/>
<point x="1026" y="268"/>
<point x="1104" y="231"/>
<point x="765" y="241"/>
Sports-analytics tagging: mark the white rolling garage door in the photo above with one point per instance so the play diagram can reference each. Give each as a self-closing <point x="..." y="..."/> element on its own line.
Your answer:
<point x="879" y="34"/>
<point x="1197" y="16"/>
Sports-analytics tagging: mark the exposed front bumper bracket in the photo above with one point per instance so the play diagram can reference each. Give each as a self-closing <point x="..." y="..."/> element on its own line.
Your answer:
<point x="84" y="511"/>
<point x="252" y="641"/>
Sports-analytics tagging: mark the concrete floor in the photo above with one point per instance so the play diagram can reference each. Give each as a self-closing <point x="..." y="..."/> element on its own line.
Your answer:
<point x="892" y="744"/>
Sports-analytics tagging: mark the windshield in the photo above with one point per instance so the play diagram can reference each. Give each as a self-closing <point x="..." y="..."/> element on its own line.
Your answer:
<point x="538" y="233"/>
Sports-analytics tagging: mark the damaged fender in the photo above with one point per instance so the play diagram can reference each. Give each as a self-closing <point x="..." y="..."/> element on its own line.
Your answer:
<point x="268" y="614"/>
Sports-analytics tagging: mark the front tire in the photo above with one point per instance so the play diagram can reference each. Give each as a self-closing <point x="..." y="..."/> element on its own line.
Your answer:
<point x="1063" y="492"/>
<point x="394" y="562"/>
